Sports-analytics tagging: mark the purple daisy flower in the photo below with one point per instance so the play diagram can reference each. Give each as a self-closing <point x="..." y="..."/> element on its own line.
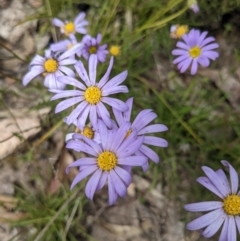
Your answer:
<point x="91" y="94"/>
<point x="140" y="125"/>
<point x="196" y="49"/>
<point x="108" y="160"/>
<point x="224" y="212"/>
<point x="68" y="28"/>
<point x="52" y="66"/>
<point x="91" y="46"/>
<point x="64" y="45"/>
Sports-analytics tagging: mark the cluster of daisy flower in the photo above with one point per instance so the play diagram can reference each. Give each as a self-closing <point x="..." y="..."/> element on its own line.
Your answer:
<point x="195" y="48"/>
<point x="113" y="143"/>
<point x="104" y="132"/>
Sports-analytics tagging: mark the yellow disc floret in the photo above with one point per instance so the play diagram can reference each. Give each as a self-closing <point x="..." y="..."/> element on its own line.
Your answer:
<point x="195" y="52"/>
<point x="231" y="205"/>
<point x="50" y="65"/>
<point x="115" y="50"/>
<point x="88" y="132"/>
<point x="181" y="30"/>
<point x="107" y="161"/>
<point x="69" y="28"/>
<point x="93" y="95"/>
<point x="93" y="50"/>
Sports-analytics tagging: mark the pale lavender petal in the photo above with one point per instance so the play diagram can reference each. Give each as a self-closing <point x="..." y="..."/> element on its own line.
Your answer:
<point x="102" y="181"/>
<point x="82" y="161"/>
<point x="71" y="81"/>
<point x="179" y="52"/>
<point x="233" y="176"/>
<point x="93" y="115"/>
<point x="35" y="71"/>
<point x="92" y="184"/>
<point x="82" y="72"/>
<point x="204" y="61"/>
<point x="76" y="112"/>
<point x="206" y="41"/>
<point x="67" y="93"/>
<point x="118" y="116"/>
<point x="155" y="141"/>
<point x="216" y="180"/>
<point x="209" y="185"/>
<point x="202" y="37"/>
<point x="194" y="67"/>
<point x="103" y="133"/>
<point x="143" y="118"/>
<point x="67" y="71"/>
<point x="133" y="161"/>
<point x="92" y="65"/>
<point x="124" y="175"/>
<point x="79" y="18"/>
<point x="115" y="103"/>
<point x="81" y="146"/>
<point x="214" y="227"/>
<point x="186" y="64"/>
<point x="232" y="232"/>
<point x="67" y="103"/>
<point x="145" y="166"/>
<point x="114" y="90"/>
<point x="181" y="58"/>
<point x="119" y="186"/>
<point x="94" y="145"/>
<point x="118" y="79"/>
<point x="210" y="47"/>
<point x="37" y="60"/>
<point x="76" y="48"/>
<point x="111" y="191"/>
<point x="127" y="114"/>
<point x="224" y="233"/>
<point x="82" y="174"/>
<point x="204" y="220"/>
<point x="82" y="118"/>
<point x="182" y="45"/>
<point x="67" y="62"/>
<point x="57" y="22"/>
<point x="104" y="114"/>
<point x="105" y="78"/>
<point x="223" y="176"/>
<point x="132" y="148"/>
<point x="152" y="155"/>
<point x="119" y="137"/>
<point x="211" y="54"/>
<point x="153" y="129"/>
<point x="203" y="206"/>
<point x="51" y="82"/>
<point x="237" y="220"/>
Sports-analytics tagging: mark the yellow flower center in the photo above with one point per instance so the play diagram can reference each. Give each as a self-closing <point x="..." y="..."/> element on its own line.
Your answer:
<point x="69" y="28"/>
<point x="51" y="65"/>
<point x="231" y="205"/>
<point x="181" y="30"/>
<point x="93" y="50"/>
<point x="114" y="50"/>
<point x="195" y="52"/>
<point x="88" y="132"/>
<point x="107" y="161"/>
<point x="93" y="95"/>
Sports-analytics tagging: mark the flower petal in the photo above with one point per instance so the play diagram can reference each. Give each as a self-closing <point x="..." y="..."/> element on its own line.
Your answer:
<point x="92" y="184"/>
<point x="119" y="186"/>
<point x="155" y="141"/>
<point x="203" y="206"/>
<point x="115" y="103"/>
<point x="105" y="78"/>
<point x="35" y="71"/>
